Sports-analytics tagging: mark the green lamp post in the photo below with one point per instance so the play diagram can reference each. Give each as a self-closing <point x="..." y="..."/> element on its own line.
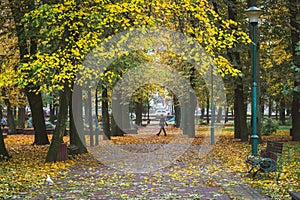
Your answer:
<point x="253" y="14"/>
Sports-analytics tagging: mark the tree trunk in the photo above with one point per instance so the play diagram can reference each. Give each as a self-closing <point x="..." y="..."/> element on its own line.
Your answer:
<point x="226" y="114"/>
<point x="10" y="117"/>
<point x="77" y="136"/>
<point x="21" y="117"/>
<point x="125" y="116"/>
<point x="207" y="108"/>
<point x="220" y="114"/>
<point x="276" y="111"/>
<point x="38" y="120"/>
<point x="53" y="116"/>
<point x="148" y="111"/>
<point x="202" y="112"/>
<point x="89" y="117"/>
<point x="184" y="117"/>
<point x="177" y="112"/>
<point x="105" y="114"/>
<point x="282" y="112"/>
<point x="270" y="108"/>
<point x="240" y="114"/>
<point x="138" y="112"/>
<point x="295" y="31"/>
<point x="262" y="111"/>
<point x="4" y="155"/>
<point x="64" y="100"/>
<point x="190" y="122"/>
<point x="116" y="130"/>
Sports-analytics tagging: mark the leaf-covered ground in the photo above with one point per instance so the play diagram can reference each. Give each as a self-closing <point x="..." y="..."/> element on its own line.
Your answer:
<point x="218" y="174"/>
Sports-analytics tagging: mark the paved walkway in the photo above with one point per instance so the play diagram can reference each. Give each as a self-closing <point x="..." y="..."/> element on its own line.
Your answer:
<point x="187" y="178"/>
<point x="101" y="182"/>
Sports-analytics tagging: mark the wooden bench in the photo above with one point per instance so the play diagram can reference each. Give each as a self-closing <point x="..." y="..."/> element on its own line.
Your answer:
<point x="269" y="159"/>
<point x="295" y="195"/>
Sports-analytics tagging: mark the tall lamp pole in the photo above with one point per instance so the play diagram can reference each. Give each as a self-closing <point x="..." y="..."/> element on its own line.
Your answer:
<point x="212" y="125"/>
<point x="253" y="14"/>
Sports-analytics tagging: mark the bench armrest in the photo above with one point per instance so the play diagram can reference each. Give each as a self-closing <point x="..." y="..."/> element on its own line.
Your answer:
<point x="253" y="160"/>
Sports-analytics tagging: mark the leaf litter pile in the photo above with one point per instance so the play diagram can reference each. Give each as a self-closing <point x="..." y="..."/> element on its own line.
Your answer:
<point x="220" y="173"/>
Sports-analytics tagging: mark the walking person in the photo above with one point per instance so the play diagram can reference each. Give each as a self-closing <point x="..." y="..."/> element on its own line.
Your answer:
<point x="3" y="122"/>
<point x="162" y="123"/>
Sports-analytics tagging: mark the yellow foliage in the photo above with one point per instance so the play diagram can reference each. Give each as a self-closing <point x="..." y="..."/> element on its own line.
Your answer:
<point x="82" y="28"/>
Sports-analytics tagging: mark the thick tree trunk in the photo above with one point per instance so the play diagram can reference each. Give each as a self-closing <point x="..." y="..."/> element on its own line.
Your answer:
<point x="64" y="100"/>
<point x="77" y="137"/>
<point x="295" y="30"/>
<point x="115" y="129"/>
<point x="38" y="120"/>
<point x="220" y="115"/>
<point x="240" y="118"/>
<point x="117" y="106"/>
<point x="190" y="122"/>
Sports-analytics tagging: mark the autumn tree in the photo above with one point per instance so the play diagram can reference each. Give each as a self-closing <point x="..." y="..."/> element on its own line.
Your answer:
<point x="67" y="31"/>
<point x="27" y="45"/>
<point x="58" y="68"/>
<point x="7" y="75"/>
<point x="275" y="58"/>
<point x="295" y="38"/>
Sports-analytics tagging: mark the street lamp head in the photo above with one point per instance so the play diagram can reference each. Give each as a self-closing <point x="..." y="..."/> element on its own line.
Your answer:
<point x="253" y="14"/>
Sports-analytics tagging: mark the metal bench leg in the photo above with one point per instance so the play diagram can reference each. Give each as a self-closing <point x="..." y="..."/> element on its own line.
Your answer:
<point x="251" y="169"/>
<point x="255" y="173"/>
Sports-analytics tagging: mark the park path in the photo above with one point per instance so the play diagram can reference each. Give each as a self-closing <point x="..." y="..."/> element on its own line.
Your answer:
<point x="187" y="177"/>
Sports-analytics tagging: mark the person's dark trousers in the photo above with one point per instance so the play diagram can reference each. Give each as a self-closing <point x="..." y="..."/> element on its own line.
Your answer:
<point x="162" y="128"/>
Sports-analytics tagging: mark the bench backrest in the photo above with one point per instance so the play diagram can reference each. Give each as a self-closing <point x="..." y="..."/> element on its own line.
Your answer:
<point x="275" y="147"/>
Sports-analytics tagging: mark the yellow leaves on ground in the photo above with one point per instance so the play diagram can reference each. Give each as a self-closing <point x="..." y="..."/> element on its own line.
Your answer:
<point x="26" y="170"/>
<point x="129" y="139"/>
